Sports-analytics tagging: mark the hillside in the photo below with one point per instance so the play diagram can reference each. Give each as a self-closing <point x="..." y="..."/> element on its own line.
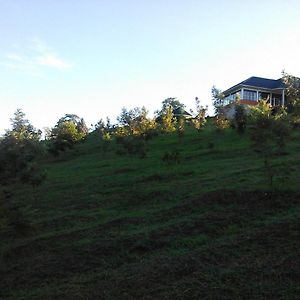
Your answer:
<point x="111" y="226"/>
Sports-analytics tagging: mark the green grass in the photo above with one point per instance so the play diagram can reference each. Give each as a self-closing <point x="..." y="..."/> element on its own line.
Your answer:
<point x="105" y="226"/>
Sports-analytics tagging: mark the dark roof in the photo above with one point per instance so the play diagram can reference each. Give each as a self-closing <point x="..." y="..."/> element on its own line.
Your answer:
<point x="264" y="82"/>
<point x="260" y="83"/>
<point x="179" y="111"/>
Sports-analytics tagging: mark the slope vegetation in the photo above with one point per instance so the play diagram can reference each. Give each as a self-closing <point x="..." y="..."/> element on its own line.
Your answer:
<point x="204" y="226"/>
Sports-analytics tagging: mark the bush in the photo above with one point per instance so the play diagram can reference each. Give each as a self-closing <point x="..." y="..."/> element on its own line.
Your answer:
<point x="221" y="122"/>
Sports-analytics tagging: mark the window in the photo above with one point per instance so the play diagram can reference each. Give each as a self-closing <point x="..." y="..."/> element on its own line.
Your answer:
<point x="263" y="96"/>
<point x="230" y="98"/>
<point x="250" y="95"/>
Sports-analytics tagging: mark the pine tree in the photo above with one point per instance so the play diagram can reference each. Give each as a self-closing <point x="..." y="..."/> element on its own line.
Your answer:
<point x="20" y="150"/>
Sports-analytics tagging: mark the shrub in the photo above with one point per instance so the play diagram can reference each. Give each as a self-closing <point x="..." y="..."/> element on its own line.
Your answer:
<point x="221" y="122"/>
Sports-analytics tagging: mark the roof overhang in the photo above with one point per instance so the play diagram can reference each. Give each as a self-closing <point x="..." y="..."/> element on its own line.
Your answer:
<point x="251" y="87"/>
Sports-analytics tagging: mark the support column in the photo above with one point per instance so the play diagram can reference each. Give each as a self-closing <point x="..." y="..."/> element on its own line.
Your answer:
<point x="257" y="96"/>
<point x="283" y="98"/>
<point x="242" y="94"/>
<point x="271" y="99"/>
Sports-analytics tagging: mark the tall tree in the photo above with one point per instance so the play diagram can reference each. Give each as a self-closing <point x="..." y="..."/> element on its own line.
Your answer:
<point x="20" y="150"/>
<point x="200" y="119"/>
<point x="21" y="128"/>
<point x="270" y="133"/>
<point x="168" y="120"/>
<point x="128" y="116"/>
<point x="69" y="130"/>
<point x="135" y="122"/>
<point x="170" y="102"/>
<point x="292" y="87"/>
<point x="217" y="99"/>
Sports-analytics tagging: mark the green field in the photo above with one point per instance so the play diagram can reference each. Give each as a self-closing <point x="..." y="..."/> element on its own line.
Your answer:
<point x="109" y="226"/>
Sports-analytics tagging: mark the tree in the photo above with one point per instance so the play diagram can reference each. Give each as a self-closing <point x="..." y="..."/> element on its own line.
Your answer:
<point x="221" y="122"/>
<point x="220" y="119"/>
<point x="143" y="125"/>
<point x="20" y="150"/>
<point x="127" y="116"/>
<point x="217" y="99"/>
<point x="135" y="122"/>
<point x="200" y="119"/>
<point x="168" y="120"/>
<point x="170" y="102"/>
<point x="21" y="128"/>
<point x="77" y="121"/>
<point x="82" y="128"/>
<point x="135" y="128"/>
<point x="269" y="132"/>
<point x="292" y="87"/>
<point x="99" y="125"/>
<point x="69" y="130"/>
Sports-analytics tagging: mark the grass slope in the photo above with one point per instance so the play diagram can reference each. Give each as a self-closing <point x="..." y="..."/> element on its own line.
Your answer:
<point x="119" y="227"/>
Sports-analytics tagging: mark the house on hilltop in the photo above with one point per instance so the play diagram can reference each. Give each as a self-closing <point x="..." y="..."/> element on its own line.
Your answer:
<point x="254" y="89"/>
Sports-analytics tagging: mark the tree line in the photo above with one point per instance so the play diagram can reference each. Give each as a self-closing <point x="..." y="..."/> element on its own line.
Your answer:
<point x="21" y="146"/>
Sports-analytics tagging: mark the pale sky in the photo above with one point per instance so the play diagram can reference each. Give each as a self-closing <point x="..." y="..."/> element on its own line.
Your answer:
<point x="93" y="57"/>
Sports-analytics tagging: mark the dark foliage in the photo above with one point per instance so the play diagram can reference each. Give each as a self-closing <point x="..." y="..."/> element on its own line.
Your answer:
<point x="20" y="151"/>
<point x="270" y="132"/>
<point x="68" y="131"/>
<point x="240" y="118"/>
<point x="172" y="102"/>
<point x="132" y="145"/>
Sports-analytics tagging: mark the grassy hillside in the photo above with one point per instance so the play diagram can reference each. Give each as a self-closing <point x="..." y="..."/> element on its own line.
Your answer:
<point x="109" y="226"/>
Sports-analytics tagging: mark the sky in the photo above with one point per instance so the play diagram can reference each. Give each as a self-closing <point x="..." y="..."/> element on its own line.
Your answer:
<point x="93" y="57"/>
